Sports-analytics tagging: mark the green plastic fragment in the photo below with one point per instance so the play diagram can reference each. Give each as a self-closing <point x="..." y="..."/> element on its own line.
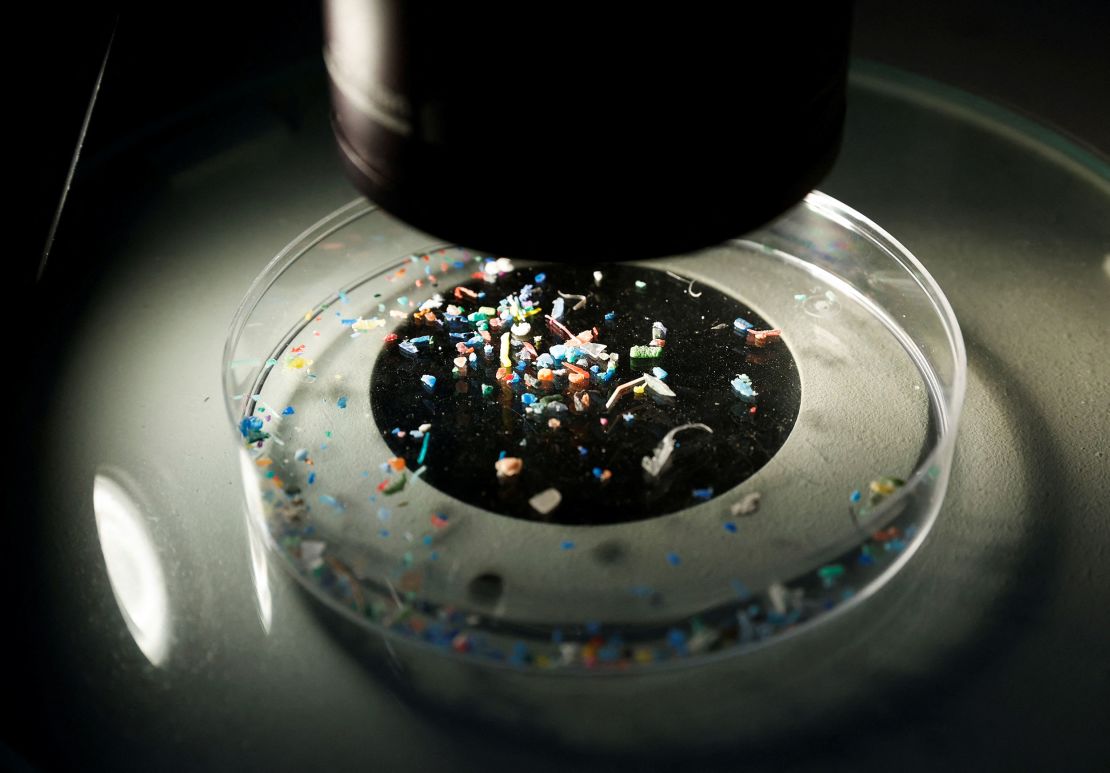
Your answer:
<point x="396" y="484"/>
<point x="646" y="352"/>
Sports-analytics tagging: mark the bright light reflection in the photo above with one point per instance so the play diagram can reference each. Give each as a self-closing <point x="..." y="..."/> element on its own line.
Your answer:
<point x="261" y="580"/>
<point x="134" y="569"/>
<point x="256" y="520"/>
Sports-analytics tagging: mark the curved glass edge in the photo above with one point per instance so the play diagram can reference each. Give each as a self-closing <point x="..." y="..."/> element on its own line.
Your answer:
<point x="771" y="615"/>
<point x="883" y="78"/>
<point x="273" y="271"/>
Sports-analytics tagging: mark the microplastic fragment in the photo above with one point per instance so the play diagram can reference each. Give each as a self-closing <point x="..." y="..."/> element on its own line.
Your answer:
<point x="362" y="325"/>
<point x="761" y="338"/>
<point x="342" y="402"/>
<point x="655" y="384"/>
<point x="748" y="505"/>
<point x="742" y="385"/>
<point x="508" y="466"/>
<point x="645" y="352"/>
<point x="571" y="296"/>
<point x="546" y="501"/>
<point x="655" y="463"/>
<point x="621" y="391"/>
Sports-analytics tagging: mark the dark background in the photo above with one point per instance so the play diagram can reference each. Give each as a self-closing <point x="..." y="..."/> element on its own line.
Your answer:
<point x="171" y="76"/>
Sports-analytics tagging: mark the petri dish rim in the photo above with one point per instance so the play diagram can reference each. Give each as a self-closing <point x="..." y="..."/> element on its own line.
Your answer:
<point x="936" y="458"/>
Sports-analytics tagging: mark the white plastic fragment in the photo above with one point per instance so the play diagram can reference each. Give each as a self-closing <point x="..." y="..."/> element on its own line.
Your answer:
<point x="748" y="505"/>
<point x="546" y="501"/>
<point x="655" y="463"/>
<point x="435" y="302"/>
<point x="362" y="325"/>
<point x="521" y="330"/>
<point x="621" y="390"/>
<point x="777" y="595"/>
<point x="312" y="554"/>
<point x="657" y="385"/>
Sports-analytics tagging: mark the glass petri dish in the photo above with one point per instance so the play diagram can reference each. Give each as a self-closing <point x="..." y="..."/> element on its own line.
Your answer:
<point x="726" y="447"/>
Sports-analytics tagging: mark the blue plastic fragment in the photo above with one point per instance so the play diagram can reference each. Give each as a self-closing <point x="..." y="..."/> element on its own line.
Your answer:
<point x="660" y="373"/>
<point x="567" y="545"/>
<point x="288" y="411"/>
<point x="428" y="381"/>
<point x="742" y="385"/>
<point x="740" y="589"/>
<point x="528" y="398"/>
<point x="730" y="527"/>
<point x="741" y="326"/>
<point x="540" y="278"/>
<point x="610" y="316"/>
<point x="250" y="424"/>
<point x="856" y="496"/>
<point x="408" y="347"/>
<point x="342" y="403"/>
<point x="674" y="559"/>
<point x="703" y="494"/>
<point x="311" y="478"/>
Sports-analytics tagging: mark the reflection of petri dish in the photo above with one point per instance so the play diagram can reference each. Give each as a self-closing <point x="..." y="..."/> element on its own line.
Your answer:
<point x="338" y="434"/>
